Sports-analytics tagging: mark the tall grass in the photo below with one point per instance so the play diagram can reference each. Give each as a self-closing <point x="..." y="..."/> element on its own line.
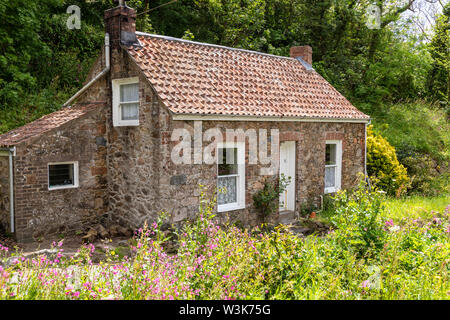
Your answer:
<point x="415" y="207"/>
<point x="376" y="259"/>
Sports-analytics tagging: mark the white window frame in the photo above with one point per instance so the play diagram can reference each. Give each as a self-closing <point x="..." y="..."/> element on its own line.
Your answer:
<point x="338" y="166"/>
<point x="240" y="181"/>
<point x="117" y="114"/>
<point x="75" y="176"/>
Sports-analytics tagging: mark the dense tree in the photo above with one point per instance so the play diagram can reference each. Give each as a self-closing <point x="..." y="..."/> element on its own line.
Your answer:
<point x="439" y="77"/>
<point x="42" y="61"/>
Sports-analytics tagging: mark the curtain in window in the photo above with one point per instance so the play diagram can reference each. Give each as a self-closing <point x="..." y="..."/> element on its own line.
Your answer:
<point x="230" y="194"/>
<point x="129" y="92"/>
<point x="129" y="98"/>
<point x="330" y="176"/>
<point x="130" y="111"/>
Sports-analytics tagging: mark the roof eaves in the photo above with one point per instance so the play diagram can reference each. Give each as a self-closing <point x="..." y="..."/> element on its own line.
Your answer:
<point x="220" y="117"/>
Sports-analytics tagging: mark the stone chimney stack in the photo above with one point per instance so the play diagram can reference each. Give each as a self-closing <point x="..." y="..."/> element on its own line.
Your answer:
<point x="120" y="23"/>
<point x="304" y="52"/>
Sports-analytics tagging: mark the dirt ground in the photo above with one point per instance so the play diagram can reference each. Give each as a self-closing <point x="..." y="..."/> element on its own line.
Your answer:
<point x="70" y="243"/>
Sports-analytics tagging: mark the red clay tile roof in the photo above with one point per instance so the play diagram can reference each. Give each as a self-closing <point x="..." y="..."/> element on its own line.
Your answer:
<point x="201" y="79"/>
<point x="46" y="123"/>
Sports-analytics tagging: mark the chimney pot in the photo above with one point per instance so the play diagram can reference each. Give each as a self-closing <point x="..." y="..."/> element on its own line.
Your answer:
<point x="304" y="52"/>
<point x="120" y="23"/>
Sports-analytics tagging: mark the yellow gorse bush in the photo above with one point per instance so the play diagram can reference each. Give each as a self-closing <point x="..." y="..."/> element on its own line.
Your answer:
<point x="383" y="166"/>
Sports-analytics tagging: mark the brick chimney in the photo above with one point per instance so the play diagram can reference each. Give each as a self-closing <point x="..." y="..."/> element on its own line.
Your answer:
<point x="120" y="23"/>
<point x="304" y="52"/>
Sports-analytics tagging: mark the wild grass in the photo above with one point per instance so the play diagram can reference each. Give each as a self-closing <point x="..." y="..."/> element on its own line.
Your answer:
<point x="415" y="207"/>
<point x="365" y="256"/>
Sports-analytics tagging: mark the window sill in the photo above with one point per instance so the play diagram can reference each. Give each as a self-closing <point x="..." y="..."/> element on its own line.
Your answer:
<point x="127" y="124"/>
<point x="62" y="187"/>
<point x="229" y="207"/>
<point x="331" y="190"/>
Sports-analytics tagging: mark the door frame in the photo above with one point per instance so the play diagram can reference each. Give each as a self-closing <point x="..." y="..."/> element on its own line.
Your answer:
<point x="292" y="164"/>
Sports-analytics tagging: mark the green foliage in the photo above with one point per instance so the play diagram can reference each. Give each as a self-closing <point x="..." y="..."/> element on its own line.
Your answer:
<point x="427" y="176"/>
<point x="267" y="199"/>
<point x="306" y="208"/>
<point x="415" y="127"/>
<point x="439" y="76"/>
<point x="214" y="262"/>
<point x="420" y="134"/>
<point x="399" y="73"/>
<point x="414" y="207"/>
<point x="42" y="62"/>
<point x="383" y="167"/>
<point x="357" y="216"/>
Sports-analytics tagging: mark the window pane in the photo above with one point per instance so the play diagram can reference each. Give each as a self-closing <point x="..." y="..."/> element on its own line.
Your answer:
<point x="227" y="161"/>
<point x="130" y="111"/>
<point x="229" y="195"/>
<point x="60" y="174"/>
<point x="129" y="92"/>
<point x="330" y="154"/>
<point x="330" y="177"/>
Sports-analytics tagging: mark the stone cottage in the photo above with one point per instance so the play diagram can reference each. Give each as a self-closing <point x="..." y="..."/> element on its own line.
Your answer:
<point x="134" y="140"/>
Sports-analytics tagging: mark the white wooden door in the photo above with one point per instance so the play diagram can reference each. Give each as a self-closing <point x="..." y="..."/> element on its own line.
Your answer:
<point x="287" y="167"/>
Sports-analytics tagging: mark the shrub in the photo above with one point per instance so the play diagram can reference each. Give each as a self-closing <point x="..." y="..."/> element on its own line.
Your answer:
<point x="358" y="219"/>
<point x="266" y="200"/>
<point x="306" y="208"/>
<point x="420" y="133"/>
<point x="382" y="165"/>
<point x="427" y="175"/>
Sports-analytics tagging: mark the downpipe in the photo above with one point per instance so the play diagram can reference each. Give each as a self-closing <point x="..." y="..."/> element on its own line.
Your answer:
<point x="11" y="154"/>
<point x="366" y="178"/>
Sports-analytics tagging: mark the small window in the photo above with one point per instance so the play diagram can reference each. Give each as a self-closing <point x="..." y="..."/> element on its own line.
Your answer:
<point x="230" y="177"/>
<point x="62" y="175"/>
<point x="333" y="164"/>
<point x="126" y="102"/>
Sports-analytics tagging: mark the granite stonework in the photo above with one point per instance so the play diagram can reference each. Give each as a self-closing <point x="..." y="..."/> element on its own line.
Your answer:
<point x="182" y="199"/>
<point x="40" y="211"/>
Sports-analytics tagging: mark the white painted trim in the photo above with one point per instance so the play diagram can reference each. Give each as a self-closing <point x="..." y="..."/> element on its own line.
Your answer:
<point x="240" y="204"/>
<point x="338" y="173"/>
<point x="190" y="117"/>
<point x="116" y="83"/>
<point x="75" y="175"/>
<point x="290" y="149"/>
<point x="365" y="150"/>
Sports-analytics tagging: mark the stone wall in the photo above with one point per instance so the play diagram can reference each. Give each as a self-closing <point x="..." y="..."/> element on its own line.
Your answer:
<point x="133" y="154"/>
<point x="42" y="212"/>
<point x="182" y="199"/>
<point x="4" y="193"/>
